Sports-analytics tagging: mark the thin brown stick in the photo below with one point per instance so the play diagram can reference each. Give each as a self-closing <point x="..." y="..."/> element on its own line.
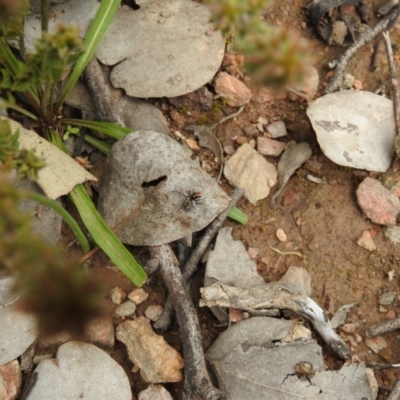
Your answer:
<point x="395" y="88"/>
<point x="384" y="327"/>
<point x="365" y="38"/>
<point x="164" y="322"/>
<point x="197" y="381"/>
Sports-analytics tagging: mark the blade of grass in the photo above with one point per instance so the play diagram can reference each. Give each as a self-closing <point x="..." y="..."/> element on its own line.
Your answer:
<point x="101" y="233"/>
<point x="238" y="216"/>
<point x="66" y="216"/>
<point x="97" y="29"/>
<point x="112" y="130"/>
<point x="106" y="238"/>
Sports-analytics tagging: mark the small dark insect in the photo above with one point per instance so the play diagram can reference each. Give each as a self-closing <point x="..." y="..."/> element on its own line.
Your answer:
<point x="192" y="198"/>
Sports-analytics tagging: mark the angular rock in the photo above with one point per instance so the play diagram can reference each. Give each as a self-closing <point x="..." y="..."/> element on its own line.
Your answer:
<point x="125" y="309"/>
<point x="387" y="298"/>
<point x="101" y="331"/>
<point x="277" y="129"/>
<point x="355" y="128"/>
<point x="118" y="295"/>
<point x="377" y="202"/>
<point x="153" y="312"/>
<point x="249" y="170"/>
<point x="157" y="360"/>
<point x="269" y="147"/>
<point x="155" y="392"/>
<point x="366" y="241"/>
<point x="10" y="380"/>
<point x="234" y="91"/>
<point x="376" y="343"/>
<point x="299" y="277"/>
<point x="138" y="296"/>
<point x="392" y="233"/>
<point x="308" y="88"/>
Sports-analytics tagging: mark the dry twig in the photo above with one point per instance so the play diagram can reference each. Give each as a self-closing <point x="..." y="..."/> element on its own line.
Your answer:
<point x="384" y="327"/>
<point x="366" y="37"/>
<point x="164" y="321"/>
<point x="197" y="381"/>
<point x="395" y="87"/>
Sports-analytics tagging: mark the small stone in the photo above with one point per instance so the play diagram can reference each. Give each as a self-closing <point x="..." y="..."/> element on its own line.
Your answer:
<point x="387" y="298"/>
<point x="117" y="295"/>
<point x="235" y="92"/>
<point x="391" y="314"/>
<point x="138" y="296"/>
<point x="252" y="143"/>
<point x="58" y="338"/>
<point x="125" y="309"/>
<point x="392" y="233"/>
<point x="252" y="172"/>
<point x="101" y="331"/>
<point x="352" y="341"/>
<point x="277" y="129"/>
<point x="299" y="277"/>
<point x="250" y="130"/>
<point x="382" y="310"/>
<point x="10" y="380"/>
<point x="269" y="147"/>
<point x="155" y="392"/>
<point x="229" y="150"/>
<point x="308" y="88"/>
<point x="146" y="350"/>
<point x="347" y="82"/>
<point x="377" y="202"/>
<point x="235" y="315"/>
<point x="366" y="241"/>
<point x="281" y="235"/>
<point x="153" y="312"/>
<point x="376" y="343"/>
<point x="192" y="144"/>
<point x="358" y="84"/>
<point x="348" y="328"/>
<point x="241" y="140"/>
<point x="357" y="337"/>
<point x="253" y="253"/>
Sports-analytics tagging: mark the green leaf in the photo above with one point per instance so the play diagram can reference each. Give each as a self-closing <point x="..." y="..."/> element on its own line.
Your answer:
<point x="97" y="29"/>
<point x="238" y="216"/>
<point x="66" y="216"/>
<point x="100" y="145"/>
<point x="101" y="233"/>
<point x="105" y="237"/>
<point x="108" y="128"/>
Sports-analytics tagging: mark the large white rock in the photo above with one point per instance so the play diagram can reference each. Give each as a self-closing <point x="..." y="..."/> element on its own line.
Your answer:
<point x="355" y="129"/>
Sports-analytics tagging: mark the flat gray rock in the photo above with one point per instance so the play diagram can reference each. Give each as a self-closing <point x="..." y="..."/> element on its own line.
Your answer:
<point x="144" y="191"/>
<point x="17" y="332"/>
<point x="355" y="129"/>
<point x="81" y="371"/>
<point x="158" y="47"/>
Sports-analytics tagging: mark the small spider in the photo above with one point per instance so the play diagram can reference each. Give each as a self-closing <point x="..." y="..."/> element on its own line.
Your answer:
<point x="192" y="198"/>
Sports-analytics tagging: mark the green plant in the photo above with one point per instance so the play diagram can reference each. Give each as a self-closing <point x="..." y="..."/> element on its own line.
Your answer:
<point x="36" y="77"/>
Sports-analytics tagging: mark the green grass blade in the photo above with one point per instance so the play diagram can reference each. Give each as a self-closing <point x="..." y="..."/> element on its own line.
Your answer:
<point x="238" y="216"/>
<point x="66" y="216"/>
<point x="101" y="233"/>
<point x="97" y="29"/>
<point x="105" y="237"/>
<point x="112" y="130"/>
